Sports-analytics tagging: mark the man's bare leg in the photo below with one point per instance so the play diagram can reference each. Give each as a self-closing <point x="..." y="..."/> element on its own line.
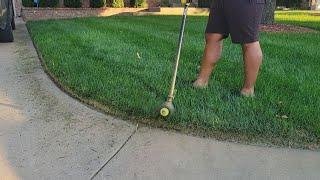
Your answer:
<point x="211" y="56"/>
<point x="252" y="56"/>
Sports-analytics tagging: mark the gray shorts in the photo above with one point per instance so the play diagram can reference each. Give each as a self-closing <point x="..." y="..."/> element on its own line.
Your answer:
<point x="239" y="18"/>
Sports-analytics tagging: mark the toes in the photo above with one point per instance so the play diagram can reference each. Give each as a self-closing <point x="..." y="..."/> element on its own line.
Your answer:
<point x="247" y="94"/>
<point x="199" y="85"/>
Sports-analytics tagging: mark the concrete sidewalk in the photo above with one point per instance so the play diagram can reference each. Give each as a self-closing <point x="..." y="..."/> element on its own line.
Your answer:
<point x="45" y="134"/>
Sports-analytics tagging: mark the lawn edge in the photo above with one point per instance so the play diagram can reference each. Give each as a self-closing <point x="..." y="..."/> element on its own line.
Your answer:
<point x="233" y="137"/>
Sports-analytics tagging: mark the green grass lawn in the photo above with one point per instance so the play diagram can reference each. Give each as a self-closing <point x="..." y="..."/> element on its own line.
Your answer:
<point x="125" y="63"/>
<point x="309" y="19"/>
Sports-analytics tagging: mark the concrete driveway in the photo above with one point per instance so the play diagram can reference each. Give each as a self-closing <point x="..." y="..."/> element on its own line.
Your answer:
<point x="45" y="134"/>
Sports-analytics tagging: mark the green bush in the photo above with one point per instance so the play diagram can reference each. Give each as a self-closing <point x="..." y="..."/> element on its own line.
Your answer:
<point x="141" y="3"/>
<point x="132" y="3"/>
<point x="117" y="3"/>
<point x="109" y="3"/>
<point x="289" y="4"/>
<point x="27" y="3"/>
<point x="98" y="3"/>
<point x="183" y="2"/>
<point x="42" y="3"/>
<point x="48" y="3"/>
<point x="205" y="3"/>
<point x="72" y="3"/>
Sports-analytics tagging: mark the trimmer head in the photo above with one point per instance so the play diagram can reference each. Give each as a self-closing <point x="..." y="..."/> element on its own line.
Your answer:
<point x="167" y="109"/>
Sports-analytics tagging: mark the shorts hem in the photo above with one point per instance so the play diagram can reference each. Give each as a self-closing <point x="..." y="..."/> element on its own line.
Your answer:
<point x="225" y="35"/>
<point x="244" y="41"/>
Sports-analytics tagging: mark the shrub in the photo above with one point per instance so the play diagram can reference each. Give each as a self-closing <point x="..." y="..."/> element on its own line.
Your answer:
<point x="72" y="3"/>
<point x="42" y="3"/>
<point x="48" y="3"/>
<point x="205" y="3"/>
<point x="27" y="3"/>
<point x="141" y="3"/>
<point x="183" y="2"/>
<point x="289" y="4"/>
<point x="118" y="3"/>
<point x="109" y="3"/>
<point x="98" y="3"/>
<point x="132" y="3"/>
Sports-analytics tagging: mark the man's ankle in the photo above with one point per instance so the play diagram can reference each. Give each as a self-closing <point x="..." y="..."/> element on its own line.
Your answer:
<point x="247" y="92"/>
<point x="200" y="83"/>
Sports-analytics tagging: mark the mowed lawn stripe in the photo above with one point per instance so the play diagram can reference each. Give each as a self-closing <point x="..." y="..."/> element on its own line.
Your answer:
<point x="308" y="19"/>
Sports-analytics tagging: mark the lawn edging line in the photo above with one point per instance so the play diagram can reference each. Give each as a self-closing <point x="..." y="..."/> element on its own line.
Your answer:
<point x="90" y="103"/>
<point x="285" y="28"/>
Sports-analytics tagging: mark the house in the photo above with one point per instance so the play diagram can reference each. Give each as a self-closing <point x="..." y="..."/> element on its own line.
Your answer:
<point x="310" y="4"/>
<point x="315" y="5"/>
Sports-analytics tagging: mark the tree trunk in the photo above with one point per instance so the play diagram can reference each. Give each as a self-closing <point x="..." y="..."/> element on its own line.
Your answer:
<point x="268" y="12"/>
<point x="61" y="3"/>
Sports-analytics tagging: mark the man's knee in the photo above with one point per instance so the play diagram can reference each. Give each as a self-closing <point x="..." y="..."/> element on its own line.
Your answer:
<point x="214" y="38"/>
<point x="252" y="49"/>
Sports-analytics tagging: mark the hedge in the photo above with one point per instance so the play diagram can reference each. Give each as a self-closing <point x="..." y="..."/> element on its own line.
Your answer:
<point x="289" y="3"/>
<point x="205" y="3"/>
<point x="72" y="3"/>
<point x="98" y="3"/>
<point x="42" y="3"/>
<point x="117" y="3"/>
<point x="141" y="3"/>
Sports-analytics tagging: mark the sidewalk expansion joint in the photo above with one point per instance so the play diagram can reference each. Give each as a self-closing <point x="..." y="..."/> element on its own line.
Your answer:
<point x="115" y="153"/>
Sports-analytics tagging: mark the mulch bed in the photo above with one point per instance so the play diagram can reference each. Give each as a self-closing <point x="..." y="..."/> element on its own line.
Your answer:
<point x="284" y="28"/>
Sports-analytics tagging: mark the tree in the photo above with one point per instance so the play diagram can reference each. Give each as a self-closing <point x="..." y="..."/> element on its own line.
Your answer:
<point x="61" y="3"/>
<point x="268" y="12"/>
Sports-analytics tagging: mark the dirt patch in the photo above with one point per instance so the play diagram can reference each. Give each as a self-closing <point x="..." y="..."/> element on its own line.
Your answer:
<point x="315" y="14"/>
<point x="284" y="28"/>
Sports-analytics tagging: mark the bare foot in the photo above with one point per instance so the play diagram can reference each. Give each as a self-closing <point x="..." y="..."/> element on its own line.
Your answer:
<point x="247" y="92"/>
<point x="200" y="84"/>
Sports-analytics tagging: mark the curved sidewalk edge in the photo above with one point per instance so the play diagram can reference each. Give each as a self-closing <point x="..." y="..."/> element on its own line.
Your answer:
<point x="44" y="133"/>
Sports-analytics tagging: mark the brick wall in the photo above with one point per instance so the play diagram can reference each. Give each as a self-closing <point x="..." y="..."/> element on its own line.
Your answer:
<point x="61" y="13"/>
